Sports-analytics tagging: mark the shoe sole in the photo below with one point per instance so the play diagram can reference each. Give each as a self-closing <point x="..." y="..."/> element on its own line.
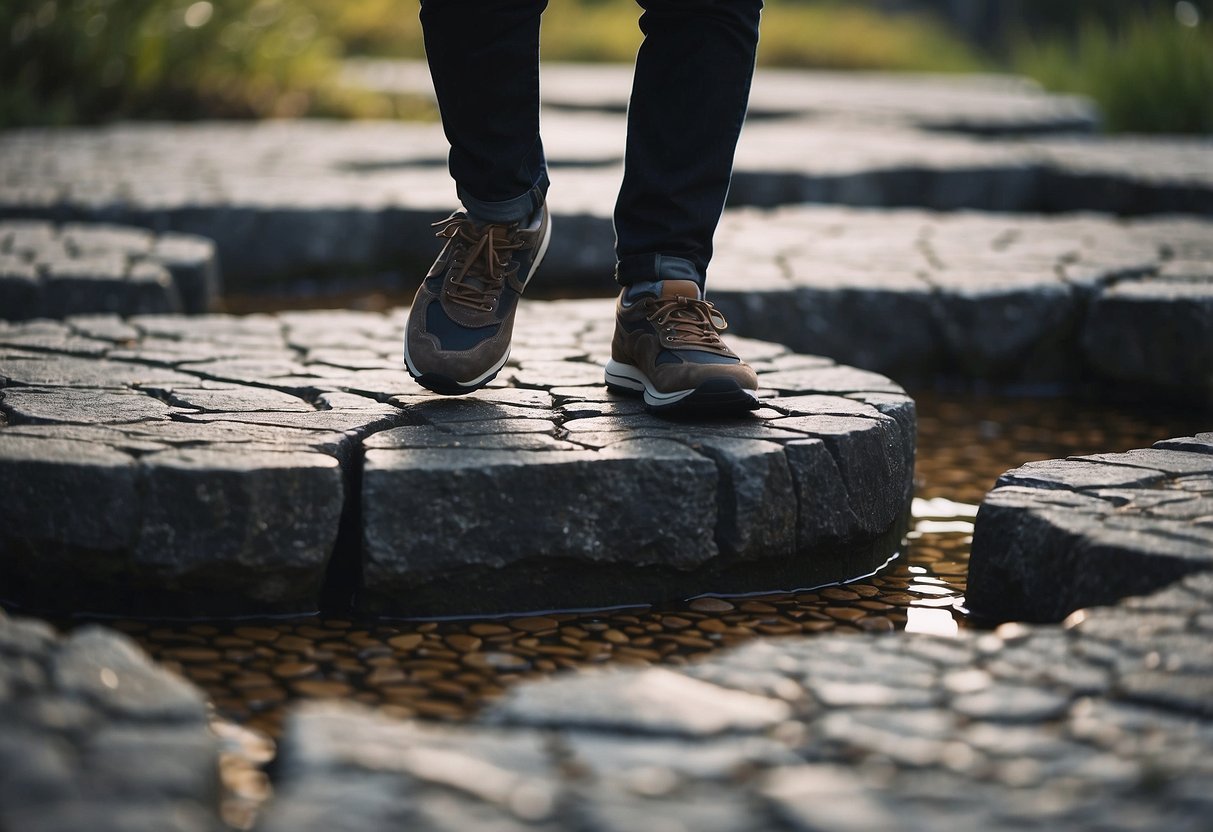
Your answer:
<point x="444" y="385"/>
<point x="716" y="396"/>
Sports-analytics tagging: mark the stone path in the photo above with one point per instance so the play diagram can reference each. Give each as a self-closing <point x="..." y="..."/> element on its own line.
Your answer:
<point x="917" y="295"/>
<point x="1063" y="534"/>
<point x="979" y="104"/>
<point x="289" y="199"/>
<point x="95" y="736"/>
<point x="52" y="272"/>
<point x="1104" y="724"/>
<point x="221" y="465"/>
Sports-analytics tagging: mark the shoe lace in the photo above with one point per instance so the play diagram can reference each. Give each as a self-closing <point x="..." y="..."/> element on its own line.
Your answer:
<point x="687" y="322"/>
<point x="481" y="259"/>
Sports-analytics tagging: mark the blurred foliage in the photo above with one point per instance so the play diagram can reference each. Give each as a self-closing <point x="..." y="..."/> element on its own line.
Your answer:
<point x="852" y="36"/>
<point x="1148" y="74"/>
<point x="68" y="61"/>
<point x="819" y="33"/>
<point x="86" y="60"/>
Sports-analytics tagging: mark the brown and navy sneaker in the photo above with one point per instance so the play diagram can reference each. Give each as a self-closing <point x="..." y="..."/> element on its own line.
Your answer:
<point x="667" y="347"/>
<point x="459" y="329"/>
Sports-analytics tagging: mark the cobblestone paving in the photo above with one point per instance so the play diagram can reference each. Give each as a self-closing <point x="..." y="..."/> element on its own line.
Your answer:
<point x="52" y="272"/>
<point x="1057" y="535"/>
<point x="288" y="199"/>
<point x="1105" y="724"/>
<point x="981" y="104"/>
<point x="214" y="464"/>
<point x="1023" y="298"/>
<point x="95" y="736"/>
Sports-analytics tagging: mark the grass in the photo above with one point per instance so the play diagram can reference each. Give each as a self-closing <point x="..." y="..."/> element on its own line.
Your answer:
<point x="1149" y="75"/>
<point x="821" y="34"/>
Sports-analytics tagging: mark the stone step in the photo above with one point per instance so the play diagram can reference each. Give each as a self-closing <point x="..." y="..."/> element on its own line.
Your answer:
<point x="1009" y="729"/>
<point x="1122" y="304"/>
<point x="970" y="103"/>
<point x="220" y="465"/>
<point x="49" y="271"/>
<point x="305" y="198"/>
<point x="1057" y="536"/>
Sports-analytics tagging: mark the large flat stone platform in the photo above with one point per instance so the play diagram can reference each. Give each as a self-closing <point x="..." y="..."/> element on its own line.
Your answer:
<point x="1077" y="299"/>
<point x="222" y="465"/>
<point x="307" y="198"/>
<point x="1104" y="724"/>
<point x="1059" y="535"/>
<point x="92" y="268"/>
<point x="969" y="103"/>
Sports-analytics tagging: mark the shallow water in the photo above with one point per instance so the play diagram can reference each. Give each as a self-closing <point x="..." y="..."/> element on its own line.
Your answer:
<point x="447" y="669"/>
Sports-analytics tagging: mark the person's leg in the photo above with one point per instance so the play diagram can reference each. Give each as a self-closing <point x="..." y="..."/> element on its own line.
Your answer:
<point x="484" y="59"/>
<point x="688" y="102"/>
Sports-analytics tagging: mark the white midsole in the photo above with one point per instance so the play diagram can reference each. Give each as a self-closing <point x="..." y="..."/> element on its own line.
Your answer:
<point x="408" y="359"/>
<point x="626" y="375"/>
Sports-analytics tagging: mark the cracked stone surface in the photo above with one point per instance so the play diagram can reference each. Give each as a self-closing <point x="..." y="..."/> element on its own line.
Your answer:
<point x="1105" y="723"/>
<point x="285" y="199"/>
<point x="1062" y="534"/>
<point x="221" y="465"/>
<point x="49" y="271"/>
<point x="1005" y="297"/>
<point x="94" y="735"/>
<point x="971" y="103"/>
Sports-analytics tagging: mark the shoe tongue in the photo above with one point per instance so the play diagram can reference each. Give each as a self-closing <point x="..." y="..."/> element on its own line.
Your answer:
<point x="680" y="289"/>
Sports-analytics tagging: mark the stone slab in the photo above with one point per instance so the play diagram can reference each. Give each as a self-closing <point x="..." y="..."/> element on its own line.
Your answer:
<point x="94" y="735"/>
<point x="1009" y="298"/>
<point x="1056" y="536"/>
<point x="969" y="103"/>
<point x="649" y="508"/>
<point x="1105" y="723"/>
<point x="49" y="271"/>
<point x="221" y="465"/>
<point x="349" y="200"/>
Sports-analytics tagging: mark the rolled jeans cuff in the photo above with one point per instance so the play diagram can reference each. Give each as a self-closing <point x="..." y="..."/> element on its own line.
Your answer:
<point x="517" y="209"/>
<point x="640" y="267"/>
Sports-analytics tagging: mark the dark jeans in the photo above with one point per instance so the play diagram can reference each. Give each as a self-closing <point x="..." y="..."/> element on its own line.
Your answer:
<point x="688" y="102"/>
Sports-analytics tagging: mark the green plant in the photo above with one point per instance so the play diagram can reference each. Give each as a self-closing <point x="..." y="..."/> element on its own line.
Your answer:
<point x="85" y="60"/>
<point x="1150" y="74"/>
<point x="853" y="36"/>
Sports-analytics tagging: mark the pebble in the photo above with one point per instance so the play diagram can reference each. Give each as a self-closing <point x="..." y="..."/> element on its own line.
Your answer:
<point x="385" y="676"/>
<point x="710" y="605"/>
<point x="291" y="670"/>
<point x="406" y="641"/>
<point x="463" y="643"/>
<point x="485" y="629"/>
<point x="844" y="613"/>
<point x="835" y="593"/>
<point x="321" y="688"/>
<point x="534" y="624"/>
<point x="192" y="654"/>
<point x="261" y="696"/>
<point x="257" y="633"/>
<point x="439" y="708"/>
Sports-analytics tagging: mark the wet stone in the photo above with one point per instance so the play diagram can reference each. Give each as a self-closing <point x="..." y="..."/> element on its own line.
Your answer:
<point x="1065" y="534"/>
<point x="614" y="540"/>
<point x="99" y="736"/>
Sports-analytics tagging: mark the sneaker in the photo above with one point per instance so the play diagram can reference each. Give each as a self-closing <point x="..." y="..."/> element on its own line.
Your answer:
<point x="459" y="329"/>
<point x="668" y="348"/>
